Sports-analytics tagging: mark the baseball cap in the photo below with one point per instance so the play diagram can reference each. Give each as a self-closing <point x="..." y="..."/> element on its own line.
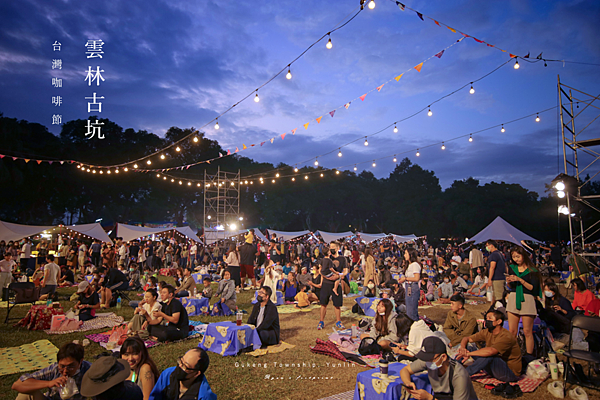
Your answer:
<point x="432" y="345"/>
<point x="82" y="286"/>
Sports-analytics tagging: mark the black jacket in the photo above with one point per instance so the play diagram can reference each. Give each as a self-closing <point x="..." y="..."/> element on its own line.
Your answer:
<point x="270" y="319"/>
<point x="247" y="254"/>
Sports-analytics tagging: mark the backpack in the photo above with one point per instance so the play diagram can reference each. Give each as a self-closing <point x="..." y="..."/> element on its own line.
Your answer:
<point x="369" y="346"/>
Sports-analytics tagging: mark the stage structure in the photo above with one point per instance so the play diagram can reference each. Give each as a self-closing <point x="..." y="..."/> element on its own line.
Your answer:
<point x="581" y="153"/>
<point x="221" y="205"/>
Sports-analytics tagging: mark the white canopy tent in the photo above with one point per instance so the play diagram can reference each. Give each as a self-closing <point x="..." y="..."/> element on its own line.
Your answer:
<point x="95" y="231"/>
<point x="130" y="232"/>
<point x="371" y="237"/>
<point x="10" y="231"/>
<point x="287" y="235"/>
<point x="499" y="229"/>
<point x="329" y="237"/>
<point x="404" y="238"/>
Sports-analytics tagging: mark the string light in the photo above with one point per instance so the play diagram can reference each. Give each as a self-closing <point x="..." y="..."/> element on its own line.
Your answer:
<point x="516" y="66"/>
<point x="101" y="171"/>
<point x="217" y="124"/>
<point x="108" y="172"/>
<point x="321" y="175"/>
<point x="162" y="156"/>
<point x="165" y="178"/>
<point x="337" y="172"/>
<point x="158" y="175"/>
<point x="371" y="5"/>
<point x="189" y="183"/>
<point x="366" y="141"/>
<point x="502" y="129"/>
<point x="245" y="182"/>
<point x="395" y="129"/>
<point x="374" y="164"/>
<point x="395" y="158"/>
<point x="256" y="98"/>
<point x="289" y="73"/>
<point x="429" y="112"/>
<point x="125" y="169"/>
<point x="472" y="90"/>
<point x="148" y="162"/>
<point x="537" y="118"/>
<point x="293" y="179"/>
<point x="305" y="176"/>
<point x="116" y="171"/>
<point x="355" y="168"/>
<point x="135" y="166"/>
<point x="198" y="184"/>
<point x="273" y="181"/>
<point x="340" y="152"/>
<point x="232" y="183"/>
<point x="195" y="139"/>
<point x="277" y="174"/>
<point x="329" y="45"/>
<point x="180" y="182"/>
<point x="177" y="148"/>
<point x="470" y="138"/>
<point x="295" y="169"/>
<point x="79" y="166"/>
<point x="316" y="161"/>
<point x="418" y="154"/>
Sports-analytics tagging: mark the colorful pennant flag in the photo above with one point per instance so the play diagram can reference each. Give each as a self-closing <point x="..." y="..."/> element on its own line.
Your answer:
<point x="272" y="140"/>
<point x="527" y="56"/>
<point x="236" y="150"/>
<point x="439" y="55"/>
<point x="39" y="162"/>
<point x="512" y="55"/>
<point x="418" y="67"/>
<point x="244" y="146"/>
<point x="332" y="113"/>
<point x="228" y="152"/>
<point x="283" y="136"/>
<point x="363" y="97"/>
<point x="379" y="88"/>
<point x="319" y="119"/>
<point x="398" y="77"/>
<point x="402" y="6"/>
<point x="539" y="57"/>
<point x="261" y="143"/>
<point x="478" y="41"/>
<point x="437" y="23"/>
<point x="26" y="160"/>
<point x="420" y="15"/>
<point x="294" y="131"/>
<point x="452" y="29"/>
<point x="347" y="105"/>
<point x="306" y="125"/>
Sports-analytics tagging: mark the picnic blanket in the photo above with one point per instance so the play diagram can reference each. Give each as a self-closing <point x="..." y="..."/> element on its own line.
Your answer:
<point x="4" y="305"/>
<point x="291" y="308"/>
<point x="106" y="320"/>
<point x="276" y="348"/>
<point x="28" y="357"/>
<point x="527" y="384"/>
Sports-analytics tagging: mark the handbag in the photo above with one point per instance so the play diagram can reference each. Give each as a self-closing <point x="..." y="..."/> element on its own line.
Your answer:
<point x="369" y="346"/>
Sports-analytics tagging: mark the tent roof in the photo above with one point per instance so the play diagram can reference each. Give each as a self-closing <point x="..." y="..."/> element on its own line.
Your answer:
<point x="371" y="237"/>
<point x="130" y="232"/>
<point x="329" y="237"/>
<point x="10" y="231"/>
<point x="92" y="230"/>
<point x="499" y="229"/>
<point x="404" y="238"/>
<point x="287" y="235"/>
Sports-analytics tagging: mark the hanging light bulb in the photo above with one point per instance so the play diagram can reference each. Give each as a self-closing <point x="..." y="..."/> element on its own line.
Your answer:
<point x="116" y="171"/>
<point x="355" y="168"/>
<point x="135" y="166"/>
<point x="316" y="161"/>
<point x="88" y="170"/>
<point x="374" y="164"/>
<point x="537" y="118"/>
<point x="395" y="129"/>
<point x="329" y="45"/>
<point x="293" y="179"/>
<point x="108" y="172"/>
<point x="195" y="139"/>
<point x="429" y="112"/>
<point x="198" y="184"/>
<point x="277" y="175"/>
<point x="443" y="146"/>
<point x="165" y="178"/>
<point x="189" y="183"/>
<point x="93" y="171"/>
<point x="337" y="172"/>
<point x="418" y="154"/>
<point x="217" y="124"/>
<point x="470" y="138"/>
<point x="321" y="175"/>
<point x="177" y="148"/>
<point x="305" y="176"/>
<point x="256" y="98"/>
<point x="295" y="169"/>
<point x="273" y="181"/>
<point x="158" y="175"/>
<point x="395" y="159"/>
<point x="340" y="152"/>
<point x="232" y="183"/>
<point x="181" y="183"/>
<point x="371" y="5"/>
<point x="101" y="171"/>
<point x="289" y="73"/>
<point x="366" y="141"/>
<point x="245" y="182"/>
<point x="162" y="156"/>
<point x="516" y="66"/>
<point x="502" y="130"/>
<point x="472" y="90"/>
<point x="79" y="166"/>
<point x="148" y="162"/>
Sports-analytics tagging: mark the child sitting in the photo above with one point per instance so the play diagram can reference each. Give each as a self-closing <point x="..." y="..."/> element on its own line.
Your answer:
<point x="207" y="291"/>
<point x="302" y="297"/>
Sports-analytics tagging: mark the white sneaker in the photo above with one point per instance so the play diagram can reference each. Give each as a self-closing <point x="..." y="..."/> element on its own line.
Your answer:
<point x="556" y="389"/>
<point x="578" y="393"/>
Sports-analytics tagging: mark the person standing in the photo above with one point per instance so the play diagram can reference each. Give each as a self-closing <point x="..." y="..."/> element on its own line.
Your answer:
<point x="327" y="285"/>
<point x="193" y="254"/>
<point x="95" y="250"/>
<point x="412" y="278"/>
<point x="50" y="281"/>
<point x="369" y="268"/>
<point x="233" y="265"/>
<point x="81" y="255"/>
<point x="6" y="267"/>
<point x="25" y="254"/>
<point x="248" y="253"/>
<point x="497" y="270"/>
<point x="475" y="261"/>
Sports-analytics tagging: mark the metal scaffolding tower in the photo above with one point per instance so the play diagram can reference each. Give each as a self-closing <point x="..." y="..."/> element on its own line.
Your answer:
<point x="221" y="204"/>
<point x="580" y="154"/>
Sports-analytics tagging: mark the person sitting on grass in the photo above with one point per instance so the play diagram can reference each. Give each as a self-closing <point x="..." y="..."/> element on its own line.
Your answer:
<point x="113" y="280"/>
<point x="187" y="380"/>
<point x="480" y="283"/>
<point x="174" y="314"/>
<point x="445" y="290"/>
<point x="143" y="369"/>
<point x="69" y="364"/>
<point x="67" y="278"/>
<point x="501" y="356"/>
<point x="383" y="327"/>
<point x="302" y="297"/>
<point x="106" y="379"/>
<point x="143" y="314"/>
<point x="265" y="318"/>
<point x="459" y="322"/>
<point x="88" y="302"/>
<point x="188" y="284"/>
<point x="448" y="378"/>
<point x="290" y="289"/>
<point x="226" y="291"/>
<point x="207" y="291"/>
<point x="417" y="331"/>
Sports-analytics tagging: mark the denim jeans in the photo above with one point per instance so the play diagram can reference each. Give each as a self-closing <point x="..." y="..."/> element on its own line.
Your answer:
<point x="494" y="366"/>
<point x="412" y="300"/>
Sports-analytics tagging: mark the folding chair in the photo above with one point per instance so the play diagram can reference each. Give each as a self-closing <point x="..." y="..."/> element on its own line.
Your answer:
<point x="591" y="324"/>
<point x="22" y="293"/>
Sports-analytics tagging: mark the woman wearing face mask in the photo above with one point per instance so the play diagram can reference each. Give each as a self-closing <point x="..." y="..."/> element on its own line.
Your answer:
<point x="369" y="268"/>
<point x="413" y="275"/>
<point x="383" y="326"/>
<point x="479" y="284"/>
<point x="370" y="289"/>
<point x="143" y="370"/>
<point x="524" y="282"/>
<point x="427" y="287"/>
<point x="558" y="311"/>
<point x="445" y="290"/>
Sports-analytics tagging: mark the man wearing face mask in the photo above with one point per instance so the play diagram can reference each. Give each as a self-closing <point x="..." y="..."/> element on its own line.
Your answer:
<point x="186" y="381"/>
<point x="265" y="318"/>
<point x="445" y="290"/>
<point x="448" y="378"/>
<point x="497" y="270"/>
<point x="501" y="356"/>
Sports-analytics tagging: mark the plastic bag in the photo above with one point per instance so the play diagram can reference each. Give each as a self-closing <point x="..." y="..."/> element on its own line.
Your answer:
<point x="537" y="370"/>
<point x="69" y="389"/>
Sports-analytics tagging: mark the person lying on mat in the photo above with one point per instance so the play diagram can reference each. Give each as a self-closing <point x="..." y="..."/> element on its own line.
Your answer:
<point x="265" y="318"/>
<point x="186" y="381"/>
<point x="69" y="364"/>
<point x="501" y="356"/>
<point x="448" y="378"/>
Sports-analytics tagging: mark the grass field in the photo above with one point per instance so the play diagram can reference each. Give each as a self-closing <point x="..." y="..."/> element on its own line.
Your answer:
<point x="246" y="377"/>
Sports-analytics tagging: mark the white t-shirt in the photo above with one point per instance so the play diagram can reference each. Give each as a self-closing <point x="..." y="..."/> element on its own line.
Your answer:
<point x="457" y="259"/>
<point x="51" y="273"/>
<point x="156" y="307"/>
<point x="261" y="316"/>
<point x="7" y="266"/>
<point x="193" y="250"/>
<point x="479" y="280"/>
<point x="419" y="331"/>
<point x="26" y="249"/>
<point x="82" y="250"/>
<point x="413" y="268"/>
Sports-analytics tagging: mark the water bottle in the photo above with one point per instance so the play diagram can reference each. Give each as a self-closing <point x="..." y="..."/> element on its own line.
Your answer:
<point x="119" y="303"/>
<point x="354" y="331"/>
